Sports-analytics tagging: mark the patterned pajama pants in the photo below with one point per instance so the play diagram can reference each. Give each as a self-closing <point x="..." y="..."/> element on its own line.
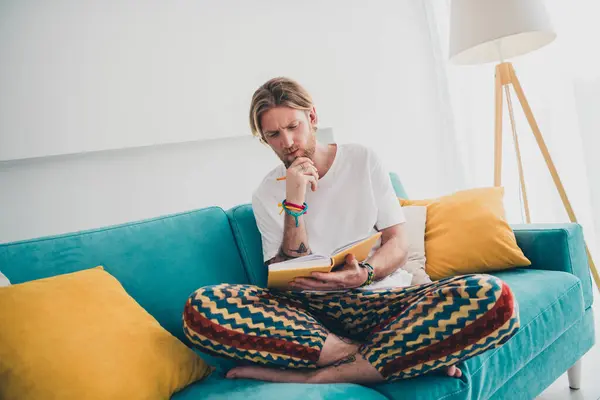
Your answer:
<point x="403" y="332"/>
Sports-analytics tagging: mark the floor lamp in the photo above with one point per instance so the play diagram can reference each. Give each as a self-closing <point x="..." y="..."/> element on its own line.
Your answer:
<point x="483" y="31"/>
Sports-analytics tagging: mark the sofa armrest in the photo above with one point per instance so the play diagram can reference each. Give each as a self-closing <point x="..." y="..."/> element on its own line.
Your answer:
<point x="557" y="247"/>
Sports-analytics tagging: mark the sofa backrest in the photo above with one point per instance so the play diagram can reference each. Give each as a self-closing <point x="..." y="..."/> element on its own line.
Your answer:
<point x="248" y="239"/>
<point x="159" y="262"/>
<point x="398" y="187"/>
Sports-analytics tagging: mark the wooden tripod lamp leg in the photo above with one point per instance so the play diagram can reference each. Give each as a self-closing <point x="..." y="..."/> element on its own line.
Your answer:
<point x="498" y="129"/>
<point x="518" y="153"/>
<point x="544" y="149"/>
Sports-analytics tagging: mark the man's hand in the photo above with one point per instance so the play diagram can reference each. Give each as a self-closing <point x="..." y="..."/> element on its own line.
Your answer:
<point x="298" y="176"/>
<point x="349" y="276"/>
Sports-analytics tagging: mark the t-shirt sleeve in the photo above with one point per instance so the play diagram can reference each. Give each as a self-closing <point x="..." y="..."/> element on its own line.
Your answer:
<point x="389" y="211"/>
<point x="271" y="230"/>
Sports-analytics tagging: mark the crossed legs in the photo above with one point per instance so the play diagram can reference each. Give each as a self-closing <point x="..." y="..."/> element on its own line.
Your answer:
<point x="396" y="333"/>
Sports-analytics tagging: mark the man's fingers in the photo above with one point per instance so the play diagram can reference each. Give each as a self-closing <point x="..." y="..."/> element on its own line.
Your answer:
<point x="313" y="182"/>
<point x="332" y="277"/>
<point x="298" y="286"/>
<point x="301" y="160"/>
<point x="309" y="169"/>
<point x="313" y="171"/>
<point x="315" y="175"/>
<point x="309" y="283"/>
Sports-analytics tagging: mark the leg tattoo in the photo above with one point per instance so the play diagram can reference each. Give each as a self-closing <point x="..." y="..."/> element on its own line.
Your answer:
<point x="347" y="360"/>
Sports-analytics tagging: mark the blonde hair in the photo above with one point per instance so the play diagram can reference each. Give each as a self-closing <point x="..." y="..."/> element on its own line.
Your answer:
<point x="277" y="92"/>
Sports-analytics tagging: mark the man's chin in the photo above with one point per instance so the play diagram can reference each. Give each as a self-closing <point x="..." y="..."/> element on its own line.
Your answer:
<point x="289" y="160"/>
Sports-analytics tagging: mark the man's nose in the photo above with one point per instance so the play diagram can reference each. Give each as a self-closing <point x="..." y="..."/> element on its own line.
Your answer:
<point x="288" y="141"/>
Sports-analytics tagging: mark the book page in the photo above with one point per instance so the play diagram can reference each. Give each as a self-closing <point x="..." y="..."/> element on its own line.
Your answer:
<point x="347" y="246"/>
<point x="360" y="248"/>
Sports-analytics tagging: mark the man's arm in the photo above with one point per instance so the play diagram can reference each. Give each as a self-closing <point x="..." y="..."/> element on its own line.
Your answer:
<point x="295" y="240"/>
<point x="393" y="252"/>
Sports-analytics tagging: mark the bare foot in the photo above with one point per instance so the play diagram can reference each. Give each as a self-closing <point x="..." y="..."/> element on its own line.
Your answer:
<point x="353" y="369"/>
<point x="454" y="371"/>
<point x="336" y="350"/>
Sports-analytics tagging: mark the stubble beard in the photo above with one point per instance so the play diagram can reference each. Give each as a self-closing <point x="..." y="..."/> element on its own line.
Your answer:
<point x="309" y="152"/>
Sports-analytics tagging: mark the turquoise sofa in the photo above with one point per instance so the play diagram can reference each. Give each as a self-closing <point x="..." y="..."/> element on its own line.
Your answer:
<point x="161" y="261"/>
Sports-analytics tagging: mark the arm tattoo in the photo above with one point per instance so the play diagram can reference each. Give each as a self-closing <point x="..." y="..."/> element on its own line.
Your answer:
<point x="301" y="249"/>
<point x="281" y="255"/>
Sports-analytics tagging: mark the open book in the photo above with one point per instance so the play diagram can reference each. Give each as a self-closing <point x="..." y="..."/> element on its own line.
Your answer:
<point x="281" y="273"/>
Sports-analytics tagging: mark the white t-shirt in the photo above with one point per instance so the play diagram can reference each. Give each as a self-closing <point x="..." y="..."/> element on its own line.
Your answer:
<point x="354" y="199"/>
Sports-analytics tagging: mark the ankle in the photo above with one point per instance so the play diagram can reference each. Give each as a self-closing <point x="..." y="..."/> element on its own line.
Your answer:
<point x="335" y="350"/>
<point x="314" y="376"/>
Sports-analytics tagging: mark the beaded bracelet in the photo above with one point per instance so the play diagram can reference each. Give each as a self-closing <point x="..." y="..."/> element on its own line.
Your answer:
<point x="370" y="273"/>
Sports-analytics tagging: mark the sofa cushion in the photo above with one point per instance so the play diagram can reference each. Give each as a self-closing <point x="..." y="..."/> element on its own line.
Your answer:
<point x="551" y="363"/>
<point x="549" y="303"/>
<point x="467" y="233"/>
<point x="217" y="387"/>
<point x="159" y="261"/>
<point x="80" y="335"/>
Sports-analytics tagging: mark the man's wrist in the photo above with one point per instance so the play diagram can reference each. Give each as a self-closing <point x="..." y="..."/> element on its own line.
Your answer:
<point x="295" y="199"/>
<point x="370" y="273"/>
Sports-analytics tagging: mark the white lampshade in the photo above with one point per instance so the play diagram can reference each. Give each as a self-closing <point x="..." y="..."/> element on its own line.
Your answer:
<point x="483" y="31"/>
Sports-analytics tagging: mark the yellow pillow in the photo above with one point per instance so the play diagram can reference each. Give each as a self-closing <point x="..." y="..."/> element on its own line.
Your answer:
<point x="81" y="336"/>
<point x="467" y="232"/>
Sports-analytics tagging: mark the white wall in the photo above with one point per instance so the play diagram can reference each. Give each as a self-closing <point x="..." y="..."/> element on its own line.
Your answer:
<point x="69" y="193"/>
<point x="587" y="94"/>
<point x="96" y="75"/>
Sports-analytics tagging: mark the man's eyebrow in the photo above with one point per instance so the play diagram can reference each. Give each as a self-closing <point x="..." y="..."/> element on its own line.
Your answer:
<point x="288" y="125"/>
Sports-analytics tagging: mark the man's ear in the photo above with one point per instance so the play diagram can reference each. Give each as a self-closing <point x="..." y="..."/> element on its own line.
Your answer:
<point x="313" y="117"/>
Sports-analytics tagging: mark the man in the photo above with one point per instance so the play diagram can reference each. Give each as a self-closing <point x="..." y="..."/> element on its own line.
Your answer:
<point x="330" y="327"/>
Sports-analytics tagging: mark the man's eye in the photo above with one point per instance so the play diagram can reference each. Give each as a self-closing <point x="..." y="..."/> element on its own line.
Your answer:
<point x="293" y="126"/>
<point x="272" y="134"/>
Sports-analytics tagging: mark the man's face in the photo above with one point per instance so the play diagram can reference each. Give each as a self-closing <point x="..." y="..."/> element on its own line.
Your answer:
<point x="290" y="133"/>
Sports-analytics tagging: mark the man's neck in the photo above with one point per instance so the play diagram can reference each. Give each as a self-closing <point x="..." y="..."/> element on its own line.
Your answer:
<point x="323" y="157"/>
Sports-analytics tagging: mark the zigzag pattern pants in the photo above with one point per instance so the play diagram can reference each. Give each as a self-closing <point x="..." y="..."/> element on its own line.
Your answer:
<point x="403" y="332"/>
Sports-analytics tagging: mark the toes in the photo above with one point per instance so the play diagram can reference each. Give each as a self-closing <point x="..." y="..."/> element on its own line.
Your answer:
<point x="454" y="372"/>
